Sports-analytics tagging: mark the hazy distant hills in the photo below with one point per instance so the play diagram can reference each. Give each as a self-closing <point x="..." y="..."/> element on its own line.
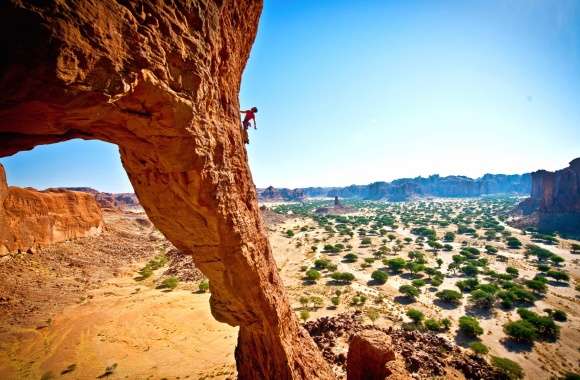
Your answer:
<point x="409" y="188"/>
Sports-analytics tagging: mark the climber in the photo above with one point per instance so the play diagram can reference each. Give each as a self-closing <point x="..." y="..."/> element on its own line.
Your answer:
<point x="249" y="116"/>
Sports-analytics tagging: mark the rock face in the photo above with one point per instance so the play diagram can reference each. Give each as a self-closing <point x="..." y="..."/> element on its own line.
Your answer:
<point x="555" y="200"/>
<point x="161" y="80"/>
<point x="31" y="219"/>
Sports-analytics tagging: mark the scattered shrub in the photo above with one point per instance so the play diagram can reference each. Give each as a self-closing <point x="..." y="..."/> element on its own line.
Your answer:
<point x="379" y="276"/>
<point x="479" y="348"/>
<point x="507" y="367"/>
<point x="470" y="326"/>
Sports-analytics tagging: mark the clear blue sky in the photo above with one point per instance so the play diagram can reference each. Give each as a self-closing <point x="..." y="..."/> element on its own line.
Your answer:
<point x="359" y="91"/>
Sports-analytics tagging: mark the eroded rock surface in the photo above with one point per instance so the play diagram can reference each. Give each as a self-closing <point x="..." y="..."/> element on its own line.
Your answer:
<point x="31" y="219"/>
<point x="555" y="200"/>
<point x="161" y="80"/>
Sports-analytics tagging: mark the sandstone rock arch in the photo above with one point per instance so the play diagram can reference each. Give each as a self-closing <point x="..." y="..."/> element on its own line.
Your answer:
<point x="161" y="79"/>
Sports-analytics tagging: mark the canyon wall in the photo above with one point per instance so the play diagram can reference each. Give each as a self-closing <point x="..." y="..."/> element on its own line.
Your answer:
<point x="31" y="219"/>
<point x="554" y="204"/>
<point x="409" y="188"/>
<point x="161" y="80"/>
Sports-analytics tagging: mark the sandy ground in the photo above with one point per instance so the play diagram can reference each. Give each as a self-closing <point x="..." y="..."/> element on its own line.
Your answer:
<point x="146" y="332"/>
<point x="141" y="331"/>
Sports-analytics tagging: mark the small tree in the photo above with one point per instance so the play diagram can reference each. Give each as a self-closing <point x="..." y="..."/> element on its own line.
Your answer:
<point x="450" y="296"/>
<point x="289" y="233"/>
<point x="379" y="276"/>
<point x="203" y="286"/>
<point x="481" y="298"/>
<point x="312" y="275"/>
<point x="409" y="291"/>
<point x="304" y="315"/>
<point x="479" y="348"/>
<point x="396" y="265"/>
<point x="470" y="326"/>
<point x="521" y="330"/>
<point x="510" y="369"/>
<point x="416" y="315"/>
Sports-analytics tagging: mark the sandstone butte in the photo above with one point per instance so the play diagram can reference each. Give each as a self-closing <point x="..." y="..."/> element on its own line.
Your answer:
<point x="161" y="80"/>
<point x="555" y="200"/>
<point x="30" y="219"/>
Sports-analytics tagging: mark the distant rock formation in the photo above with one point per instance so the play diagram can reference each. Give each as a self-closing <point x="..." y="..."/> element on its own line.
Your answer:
<point x="419" y="187"/>
<point x="30" y="219"/>
<point x="273" y="194"/>
<point x="554" y="204"/>
<point x="337" y="209"/>
<point x="109" y="200"/>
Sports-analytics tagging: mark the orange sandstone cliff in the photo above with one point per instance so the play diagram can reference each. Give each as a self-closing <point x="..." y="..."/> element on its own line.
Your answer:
<point x="30" y="219"/>
<point x="161" y="80"/>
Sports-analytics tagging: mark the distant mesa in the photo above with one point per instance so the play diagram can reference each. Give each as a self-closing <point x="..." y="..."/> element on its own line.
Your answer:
<point x="273" y="194"/>
<point x="411" y="188"/>
<point x="110" y="200"/>
<point x="554" y="204"/>
<point x="31" y="219"/>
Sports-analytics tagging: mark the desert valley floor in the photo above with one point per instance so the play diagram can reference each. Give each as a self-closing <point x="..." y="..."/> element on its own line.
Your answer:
<point x="125" y="304"/>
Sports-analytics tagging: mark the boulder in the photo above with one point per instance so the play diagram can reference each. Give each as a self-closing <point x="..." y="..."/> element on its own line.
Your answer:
<point x="369" y="354"/>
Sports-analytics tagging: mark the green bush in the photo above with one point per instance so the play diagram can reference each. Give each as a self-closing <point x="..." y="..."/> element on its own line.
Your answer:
<point x="343" y="277"/>
<point x="203" y="286"/>
<point x="304" y="315"/>
<point x="169" y="283"/>
<point x="312" y="275"/>
<point x="433" y="325"/>
<point x="479" y="348"/>
<point x="379" y="276"/>
<point x="481" y="298"/>
<point x="521" y="330"/>
<point x="350" y="257"/>
<point x="470" y="326"/>
<point x="409" y="291"/>
<point x="396" y="265"/>
<point x="508" y="368"/>
<point x="559" y="316"/>
<point x="321" y="264"/>
<point x="416" y="315"/>
<point x="289" y="233"/>
<point x="448" y="295"/>
<point x="418" y="283"/>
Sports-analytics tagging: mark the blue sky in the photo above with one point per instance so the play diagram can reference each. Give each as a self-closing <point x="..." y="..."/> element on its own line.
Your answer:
<point x="359" y="91"/>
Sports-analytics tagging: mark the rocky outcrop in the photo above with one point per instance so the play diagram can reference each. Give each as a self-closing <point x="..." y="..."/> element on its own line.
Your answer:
<point x="31" y="219"/>
<point x="336" y="209"/>
<point x="273" y="194"/>
<point x="417" y="355"/>
<point x="554" y="204"/>
<point x="369" y="354"/>
<point x="161" y="80"/>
